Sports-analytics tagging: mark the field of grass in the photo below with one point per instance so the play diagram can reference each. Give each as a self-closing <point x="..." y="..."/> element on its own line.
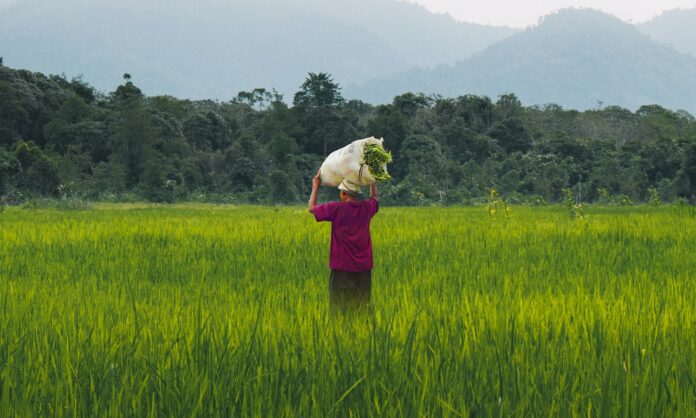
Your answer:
<point x="198" y="310"/>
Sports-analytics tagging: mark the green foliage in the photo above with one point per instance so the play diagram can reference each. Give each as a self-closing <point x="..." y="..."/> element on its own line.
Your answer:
<point x="282" y="189"/>
<point x="421" y="155"/>
<point x="318" y="91"/>
<point x="511" y="135"/>
<point x="403" y="193"/>
<point x="125" y="145"/>
<point x="38" y="173"/>
<point x="259" y="98"/>
<point x="281" y="147"/>
<point x="603" y="195"/>
<point x="207" y="131"/>
<point x="9" y="167"/>
<point x="575" y="210"/>
<point x="689" y="167"/>
<point x="375" y="157"/>
<point x="497" y="206"/>
<point x="134" y="138"/>
<point x="625" y="200"/>
<point x="654" y="197"/>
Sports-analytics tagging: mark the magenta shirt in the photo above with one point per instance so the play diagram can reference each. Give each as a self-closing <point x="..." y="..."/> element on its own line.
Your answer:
<point x="351" y="246"/>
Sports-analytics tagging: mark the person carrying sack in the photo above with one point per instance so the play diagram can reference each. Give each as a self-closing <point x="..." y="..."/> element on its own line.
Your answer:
<point x="350" y="260"/>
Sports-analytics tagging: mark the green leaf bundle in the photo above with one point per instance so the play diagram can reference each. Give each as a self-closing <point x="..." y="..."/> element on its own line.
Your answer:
<point x="376" y="157"/>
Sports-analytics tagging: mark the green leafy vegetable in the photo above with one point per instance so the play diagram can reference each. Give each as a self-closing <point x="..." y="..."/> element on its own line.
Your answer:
<point x="375" y="157"/>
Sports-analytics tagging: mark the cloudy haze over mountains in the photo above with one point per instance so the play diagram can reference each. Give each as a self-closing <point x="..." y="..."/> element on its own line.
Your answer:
<point x="524" y="13"/>
<point x="215" y="48"/>
<point x="577" y="58"/>
<point x="676" y="28"/>
<point x="374" y="48"/>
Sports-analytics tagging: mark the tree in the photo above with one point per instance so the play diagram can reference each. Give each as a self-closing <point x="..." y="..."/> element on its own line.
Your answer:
<point x="281" y="147"/>
<point x="243" y="174"/>
<point x="657" y="122"/>
<point x="319" y="105"/>
<point x="82" y="89"/>
<point x="134" y="136"/>
<point x="421" y="163"/>
<point x="57" y="131"/>
<point x="477" y="111"/>
<point x="207" y="131"/>
<point x="259" y="98"/>
<point x="511" y="135"/>
<point x="9" y="167"/>
<point x="38" y="172"/>
<point x="318" y="91"/>
<point x="408" y="104"/>
<point x="282" y="190"/>
<point x="128" y="92"/>
<point x="462" y="143"/>
<point x="508" y="106"/>
<point x="689" y="167"/>
<point x="159" y="181"/>
<point x="13" y="114"/>
<point x="389" y="123"/>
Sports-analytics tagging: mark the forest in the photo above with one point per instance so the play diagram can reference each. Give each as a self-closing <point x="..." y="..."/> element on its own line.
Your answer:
<point x="62" y="139"/>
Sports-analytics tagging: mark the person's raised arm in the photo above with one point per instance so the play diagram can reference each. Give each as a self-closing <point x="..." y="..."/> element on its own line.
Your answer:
<point x="316" y="182"/>
<point x="373" y="191"/>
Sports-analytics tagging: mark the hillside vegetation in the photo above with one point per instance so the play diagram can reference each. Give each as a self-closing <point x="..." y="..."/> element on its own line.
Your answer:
<point x="60" y="138"/>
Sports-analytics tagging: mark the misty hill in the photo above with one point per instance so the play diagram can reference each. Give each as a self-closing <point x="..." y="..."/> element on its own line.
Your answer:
<point x="423" y="39"/>
<point x="574" y="58"/>
<point x="215" y="48"/>
<point x="676" y="28"/>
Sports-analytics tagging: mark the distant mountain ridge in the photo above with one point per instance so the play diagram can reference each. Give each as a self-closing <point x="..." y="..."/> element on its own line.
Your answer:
<point x="215" y="48"/>
<point x="578" y="58"/>
<point x="375" y="49"/>
<point x="676" y="28"/>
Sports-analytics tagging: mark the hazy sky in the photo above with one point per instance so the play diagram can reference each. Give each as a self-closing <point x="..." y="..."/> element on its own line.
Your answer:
<point x="520" y="13"/>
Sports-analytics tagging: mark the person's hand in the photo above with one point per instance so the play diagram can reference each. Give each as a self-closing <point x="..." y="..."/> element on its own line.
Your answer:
<point x="316" y="181"/>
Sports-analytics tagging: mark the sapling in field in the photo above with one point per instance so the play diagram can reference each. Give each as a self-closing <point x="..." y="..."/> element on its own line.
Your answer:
<point x="654" y="197"/>
<point x="496" y="204"/>
<point x="575" y="210"/>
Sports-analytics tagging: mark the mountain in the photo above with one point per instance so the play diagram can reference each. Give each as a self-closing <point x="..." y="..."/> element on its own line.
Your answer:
<point x="575" y="58"/>
<point x="676" y="28"/>
<point x="215" y="48"/>
<point x="423" y="39"/>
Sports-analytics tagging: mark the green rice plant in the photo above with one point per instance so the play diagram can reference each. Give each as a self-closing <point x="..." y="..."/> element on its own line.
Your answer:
<point x="222" y="310"/>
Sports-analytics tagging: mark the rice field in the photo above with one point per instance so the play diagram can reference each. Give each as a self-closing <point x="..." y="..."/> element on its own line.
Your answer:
<point x="202" y="310"/>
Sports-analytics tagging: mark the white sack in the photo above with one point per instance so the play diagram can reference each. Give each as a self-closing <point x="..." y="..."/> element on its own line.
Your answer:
<point x="348" y="163"/>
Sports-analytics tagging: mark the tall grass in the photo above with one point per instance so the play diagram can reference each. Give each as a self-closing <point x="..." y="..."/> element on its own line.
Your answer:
<point x="198" y="310"/>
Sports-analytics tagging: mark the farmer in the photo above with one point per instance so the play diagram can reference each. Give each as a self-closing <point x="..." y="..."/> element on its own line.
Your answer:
<point x="350" y="258"/>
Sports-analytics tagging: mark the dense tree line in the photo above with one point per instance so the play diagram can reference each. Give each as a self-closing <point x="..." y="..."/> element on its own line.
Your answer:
<point x="60" y="137"/>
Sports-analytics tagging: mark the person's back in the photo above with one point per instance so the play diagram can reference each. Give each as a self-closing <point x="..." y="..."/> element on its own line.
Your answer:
<point x="350" y="257"/>
<point x="351" y="245"/>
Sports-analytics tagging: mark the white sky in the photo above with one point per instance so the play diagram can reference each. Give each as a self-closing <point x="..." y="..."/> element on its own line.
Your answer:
<point x="521" y="13"/>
